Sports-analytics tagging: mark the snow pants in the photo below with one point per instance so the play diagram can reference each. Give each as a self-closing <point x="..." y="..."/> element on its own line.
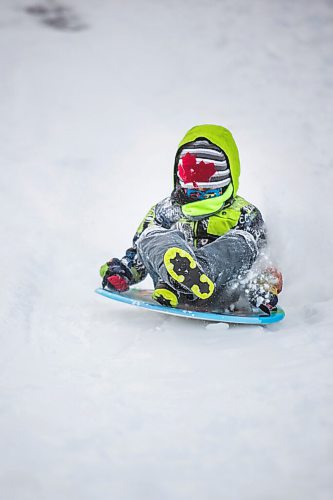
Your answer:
<point x="225" y="260"/>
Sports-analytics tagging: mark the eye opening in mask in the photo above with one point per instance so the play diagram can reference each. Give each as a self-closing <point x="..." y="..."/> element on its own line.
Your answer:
<point x="195" y="194"/>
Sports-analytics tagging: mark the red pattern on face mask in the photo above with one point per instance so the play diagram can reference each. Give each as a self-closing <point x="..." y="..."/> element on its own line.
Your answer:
<point x="191" y="171"/>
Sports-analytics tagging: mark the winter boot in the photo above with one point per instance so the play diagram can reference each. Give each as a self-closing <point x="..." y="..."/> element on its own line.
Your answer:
<point x="165" y="295"/>
<point x="185" y="271"/>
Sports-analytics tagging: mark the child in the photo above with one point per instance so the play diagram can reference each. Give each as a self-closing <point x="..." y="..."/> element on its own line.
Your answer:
<point x="201" y="245"/>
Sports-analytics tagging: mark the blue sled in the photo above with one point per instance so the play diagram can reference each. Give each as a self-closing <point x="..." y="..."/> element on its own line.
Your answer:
<point x="142" y="298"/>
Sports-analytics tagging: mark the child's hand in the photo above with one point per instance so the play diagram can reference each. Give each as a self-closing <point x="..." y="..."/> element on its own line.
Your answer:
<point x="117" y="282"/>
<point x="275" y="278"/>
<point x="115" y="275"/>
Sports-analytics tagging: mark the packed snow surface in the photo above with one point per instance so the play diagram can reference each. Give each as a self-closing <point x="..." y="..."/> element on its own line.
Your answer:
<point x="103" y="401"/>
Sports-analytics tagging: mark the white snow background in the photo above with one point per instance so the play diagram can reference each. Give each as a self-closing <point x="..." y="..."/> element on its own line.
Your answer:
<point x="103" y="401"/>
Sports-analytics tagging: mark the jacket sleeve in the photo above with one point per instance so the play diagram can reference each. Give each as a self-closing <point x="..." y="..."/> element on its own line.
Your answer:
<point x="131" y="259"/>
<point x="252" y="222"/>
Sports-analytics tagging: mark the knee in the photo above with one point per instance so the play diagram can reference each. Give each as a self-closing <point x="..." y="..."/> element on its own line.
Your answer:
<point x="149" y="235"/>
<point x="152" y="231"/>
<point x="248" y="243"/>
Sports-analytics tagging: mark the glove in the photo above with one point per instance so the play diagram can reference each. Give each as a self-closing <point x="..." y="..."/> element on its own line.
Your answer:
<point x="275" y="277"/>
<point x="116" y="275"/>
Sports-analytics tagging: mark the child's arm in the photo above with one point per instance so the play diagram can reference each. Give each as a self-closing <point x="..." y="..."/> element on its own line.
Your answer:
<point x="120" y="274"/>
<point x="251" y="221"/>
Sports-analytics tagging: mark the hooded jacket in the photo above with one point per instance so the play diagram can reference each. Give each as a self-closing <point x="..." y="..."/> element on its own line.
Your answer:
<point x="221" y="137"/>
<point x="202" y="221"/>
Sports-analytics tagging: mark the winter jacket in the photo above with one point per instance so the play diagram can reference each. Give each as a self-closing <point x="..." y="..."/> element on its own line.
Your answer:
<point x="202" y="221"/>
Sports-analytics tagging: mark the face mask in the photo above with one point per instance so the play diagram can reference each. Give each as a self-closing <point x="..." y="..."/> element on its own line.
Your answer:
<point x="191" y="171"/>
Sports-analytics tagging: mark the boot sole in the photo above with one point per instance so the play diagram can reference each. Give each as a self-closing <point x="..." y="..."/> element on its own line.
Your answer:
<point x="165" y="297"/>
<point x="184" y="269"/>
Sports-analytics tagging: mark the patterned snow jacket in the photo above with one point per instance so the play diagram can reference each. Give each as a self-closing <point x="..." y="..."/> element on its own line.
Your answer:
<point x="239" y="215"/>
<point x="202" y="221"/>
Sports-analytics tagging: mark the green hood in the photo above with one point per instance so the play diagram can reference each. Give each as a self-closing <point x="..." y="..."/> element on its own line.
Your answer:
<point x="222" y="138"/>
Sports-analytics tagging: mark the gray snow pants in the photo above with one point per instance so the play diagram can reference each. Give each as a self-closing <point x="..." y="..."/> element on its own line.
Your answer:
<point x="225" y="260"/>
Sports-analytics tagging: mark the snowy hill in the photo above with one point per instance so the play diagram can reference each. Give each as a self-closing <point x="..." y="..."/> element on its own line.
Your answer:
<point x="99" y="400"/>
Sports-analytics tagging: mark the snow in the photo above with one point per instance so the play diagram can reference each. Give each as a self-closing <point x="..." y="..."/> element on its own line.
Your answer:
<point x="101" y="400"/>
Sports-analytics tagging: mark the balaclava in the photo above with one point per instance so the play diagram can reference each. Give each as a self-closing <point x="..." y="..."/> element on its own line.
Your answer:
<point x="203" y="166"/>
<point x="206" y="170"/>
